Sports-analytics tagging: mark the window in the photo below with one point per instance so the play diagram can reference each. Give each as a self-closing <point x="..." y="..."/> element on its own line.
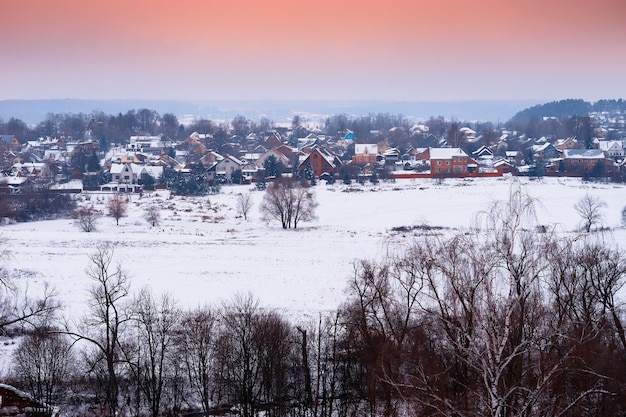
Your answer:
<point x="314" y="156"/>
<point x="438" y="162"/>
<point x="447" y="162"/>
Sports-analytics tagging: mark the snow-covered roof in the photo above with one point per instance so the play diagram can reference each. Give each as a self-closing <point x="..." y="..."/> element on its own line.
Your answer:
<point x="446" y="153"/>
<point x="118" y="168"/>
<point x="583" y="153"/>
<point x="155" y="171"/>
<point x="365" y="149"/>
<point x="609" y="145"/>
<point x="542" y="147"/>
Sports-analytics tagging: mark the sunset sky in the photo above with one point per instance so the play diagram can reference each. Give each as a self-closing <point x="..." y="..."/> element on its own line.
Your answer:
<point x="424" y="50"/>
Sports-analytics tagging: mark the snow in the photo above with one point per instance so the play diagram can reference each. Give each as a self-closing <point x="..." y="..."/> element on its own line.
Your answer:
<point x="202" y="252"/>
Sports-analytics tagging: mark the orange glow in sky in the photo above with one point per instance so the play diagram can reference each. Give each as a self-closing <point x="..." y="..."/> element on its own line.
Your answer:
<point x="316" y="49"/>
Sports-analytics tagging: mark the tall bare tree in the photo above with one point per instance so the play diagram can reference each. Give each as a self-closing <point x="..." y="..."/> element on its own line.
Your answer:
<point x="104" y="325"/>
<point x="196" y="343"/>
<point x="156" y="327"/>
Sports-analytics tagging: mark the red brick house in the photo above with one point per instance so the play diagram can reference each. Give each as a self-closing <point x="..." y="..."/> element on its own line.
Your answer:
<point x="365" y="154"/>
<point x="322" y="161"/>
<point x="451" y="162"/>
<point x="580" y="162"/>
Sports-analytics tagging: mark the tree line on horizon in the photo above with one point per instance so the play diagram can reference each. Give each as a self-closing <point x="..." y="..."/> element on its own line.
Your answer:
<point x="503" y="320"/>
<point x="117" y="128"/>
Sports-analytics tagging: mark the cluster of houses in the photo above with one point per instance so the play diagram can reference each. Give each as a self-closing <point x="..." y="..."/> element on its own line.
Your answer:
<point x="140" y="162"/>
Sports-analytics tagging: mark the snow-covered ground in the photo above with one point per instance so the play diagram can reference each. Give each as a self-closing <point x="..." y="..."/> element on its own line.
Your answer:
<point x="202" y="252"/>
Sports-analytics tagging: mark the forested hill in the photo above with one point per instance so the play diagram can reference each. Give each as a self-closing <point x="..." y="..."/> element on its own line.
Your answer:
<point x="568" y="108"/>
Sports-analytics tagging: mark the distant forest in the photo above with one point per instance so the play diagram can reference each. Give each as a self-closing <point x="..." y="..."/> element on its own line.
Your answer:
<point x="569" y="108"/>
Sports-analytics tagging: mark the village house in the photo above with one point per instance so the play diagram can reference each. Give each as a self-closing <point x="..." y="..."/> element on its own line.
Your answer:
<point x="322" y="161"/>
<point x="582" y="162"/>
<point x="365" y="153"/>
<point x="452" y="162"/>
<point x="31" y="170"/>
<point x="569" y="143"/>
<point x="9" y="143"/>
<point x="611" y="148"/>
<point x="225" y="168"/>
<point x="545" y="151"/>
<point x="14" y="402"/>
<point x="272" y="141"/>
<point x="210" y="158"/>
<point x="280" y="157"/>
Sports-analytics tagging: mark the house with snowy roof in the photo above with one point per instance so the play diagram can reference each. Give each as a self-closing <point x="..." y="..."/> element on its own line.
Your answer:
<point x="582" y="162"/>
<point x="611" y="148"/>
<point x="322" y="161"/>
<point x="568" y="143"/>
<point x="453" y="162"/>
<point x="365" y="153"/>
<point x="225" y="168"/>
<point x="9" y="143"/>
<point x="278" y="155"/>
<point x="14" y="402"/>
<point x="545" y="151"/>
<point x="273" y="140"/>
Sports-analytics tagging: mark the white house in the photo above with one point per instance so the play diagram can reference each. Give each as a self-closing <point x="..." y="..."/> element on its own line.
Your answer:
<point x="227" y="166"/>
<point x="611" y="148"/>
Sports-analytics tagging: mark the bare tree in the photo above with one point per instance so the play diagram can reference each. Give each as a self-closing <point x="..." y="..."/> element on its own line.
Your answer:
<point x="304" y="205"/>
<point x="104" y="325"/>
<point x="244" y="204"/>
<point x="86" y="218"/>
<point x="117" y="208"/>
<point x="18" y="308"/>
<point x="195" y="340"/>
<point x="257" y="351"/>
<point x="483" y="338"/>
<point x="589" y="209"/>
<point x="43" y="364"/>
<point x="289" y="201"/>
<point x="16" y="305"/>
<point x="152" y="214"/>
<point x="156" y="324"/>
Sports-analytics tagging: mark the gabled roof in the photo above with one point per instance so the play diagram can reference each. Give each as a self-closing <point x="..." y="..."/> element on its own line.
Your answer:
<point x="610" y="145"/>
<point x="273" y="140"/>
<point x="483" y="150"/>
<point x="230" y="158"/>
<point x="326" y="154"/>
<point x="6" y="138"/>
<point x="445" y="153"/>
<point x="543" y="147"/>
<point x="365" y="149"/>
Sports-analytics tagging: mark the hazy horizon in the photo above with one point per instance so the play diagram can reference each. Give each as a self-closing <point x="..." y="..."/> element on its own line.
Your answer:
<point x="392" y="50"/>
<point x="280" y="111"/>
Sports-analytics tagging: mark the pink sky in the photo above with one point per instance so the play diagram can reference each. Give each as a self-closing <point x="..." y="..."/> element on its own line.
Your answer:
<point x="317" y="49"/>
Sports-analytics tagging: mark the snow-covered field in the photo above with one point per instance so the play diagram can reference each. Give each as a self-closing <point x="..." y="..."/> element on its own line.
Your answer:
<point x="202" y="252"/>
